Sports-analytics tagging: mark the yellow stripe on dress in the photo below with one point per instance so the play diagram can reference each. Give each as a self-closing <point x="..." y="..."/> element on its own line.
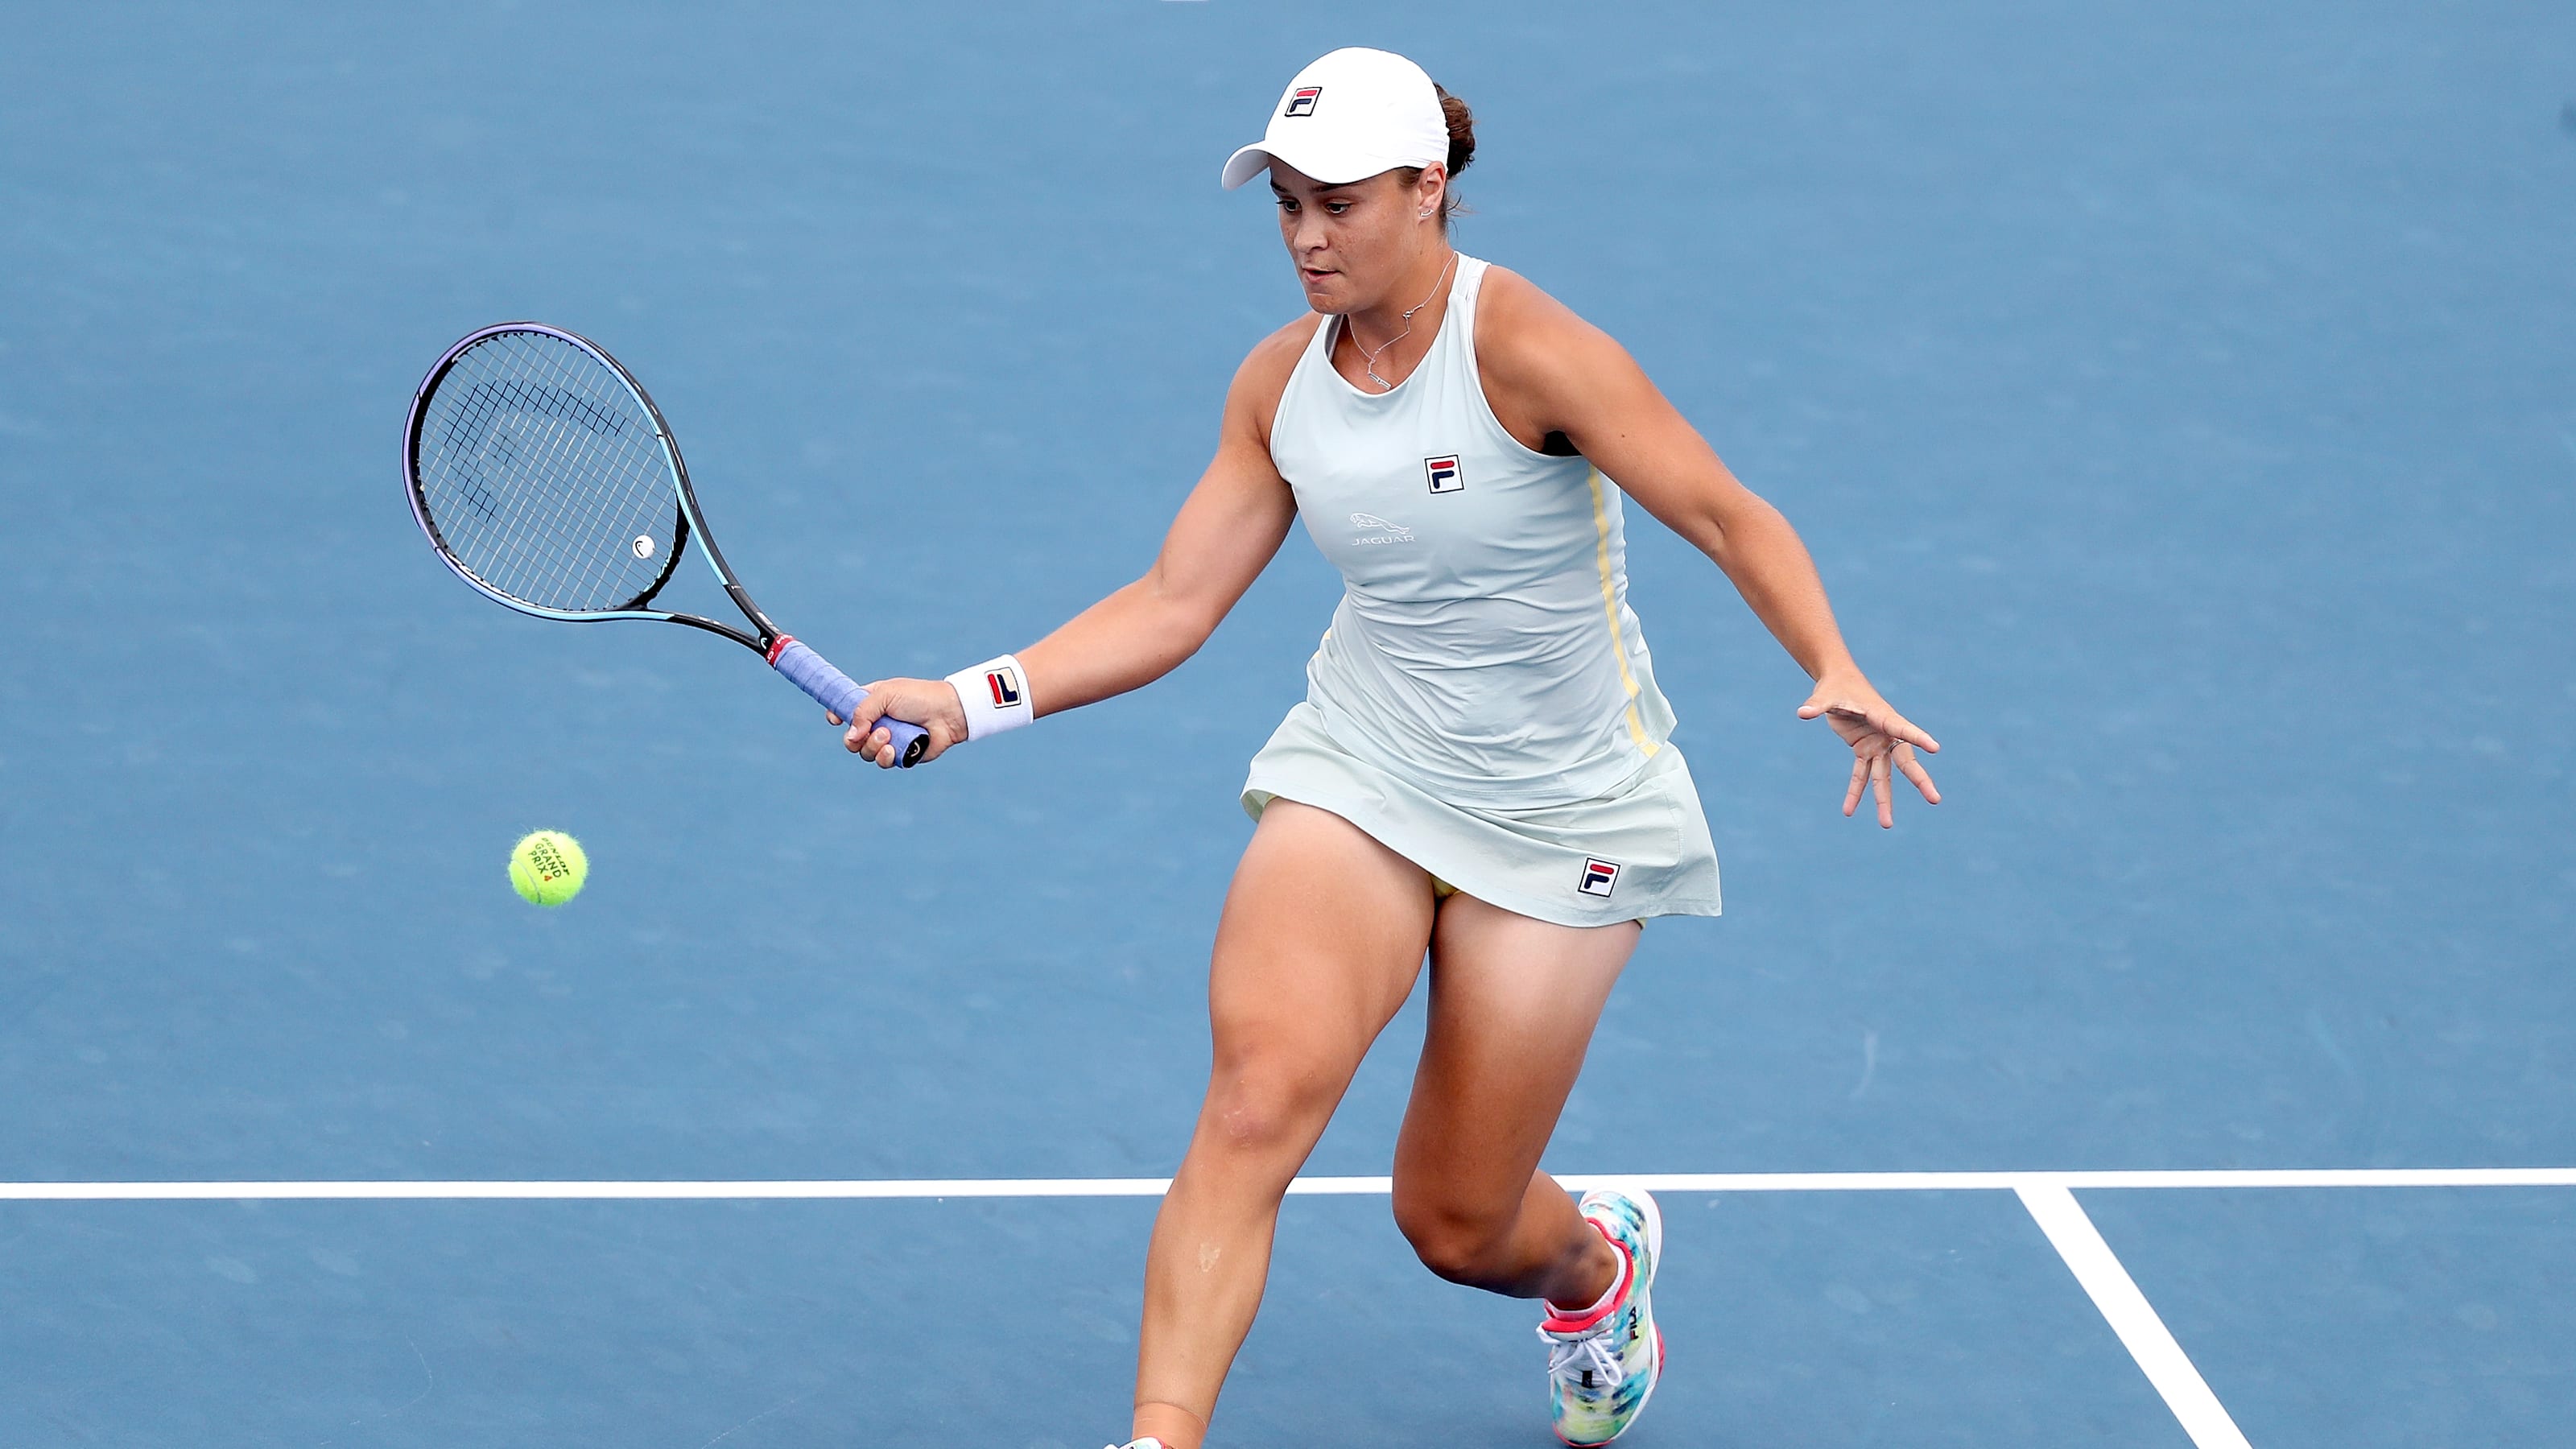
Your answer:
<point x="1646" y="743"/>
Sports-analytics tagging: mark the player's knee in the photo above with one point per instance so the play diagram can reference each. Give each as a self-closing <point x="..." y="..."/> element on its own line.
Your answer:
<point x="1263" y="1105"/>
<point x="1454" y="1240"/>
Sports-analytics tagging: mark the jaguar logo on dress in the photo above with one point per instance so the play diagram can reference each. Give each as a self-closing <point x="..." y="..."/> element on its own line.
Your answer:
<point x="1382" y="530"/>
<point x="1444" y="474"/>
<point x="1301" y="101"/>
<point x="1600" y="877"/>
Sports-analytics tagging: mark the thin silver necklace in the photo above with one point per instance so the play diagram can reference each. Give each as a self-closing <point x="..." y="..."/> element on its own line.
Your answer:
<point x="1368" y="355"/>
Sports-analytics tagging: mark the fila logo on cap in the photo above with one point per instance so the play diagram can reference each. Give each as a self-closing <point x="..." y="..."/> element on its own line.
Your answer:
<point x="1445" y="477"/>
<point x="1006" y="688"/>
<point x="1387" y="115"/>
<point x="1600" y="877"/>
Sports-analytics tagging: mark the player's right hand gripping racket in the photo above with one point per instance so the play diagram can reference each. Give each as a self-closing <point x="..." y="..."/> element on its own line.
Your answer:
<point x="546" y="478"/>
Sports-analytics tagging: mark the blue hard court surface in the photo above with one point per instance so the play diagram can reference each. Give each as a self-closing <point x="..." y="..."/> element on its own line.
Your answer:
<point x="2179" y="398"/>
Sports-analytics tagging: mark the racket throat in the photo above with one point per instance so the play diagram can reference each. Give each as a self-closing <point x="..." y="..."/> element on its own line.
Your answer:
<point x="771" y="640"/>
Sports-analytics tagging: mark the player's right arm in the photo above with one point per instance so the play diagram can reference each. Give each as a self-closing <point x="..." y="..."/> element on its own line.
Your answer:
<point x="1226" y="532"/>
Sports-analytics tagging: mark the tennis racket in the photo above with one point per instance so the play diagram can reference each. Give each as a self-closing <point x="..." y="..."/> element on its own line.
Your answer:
<point x="546" y="478"/>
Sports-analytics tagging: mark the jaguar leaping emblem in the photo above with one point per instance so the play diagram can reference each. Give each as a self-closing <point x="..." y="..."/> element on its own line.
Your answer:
<point x="1385" y="531"/>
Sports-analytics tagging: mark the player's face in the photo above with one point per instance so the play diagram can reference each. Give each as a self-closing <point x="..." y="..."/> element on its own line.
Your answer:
<point x="1351" y="243"/>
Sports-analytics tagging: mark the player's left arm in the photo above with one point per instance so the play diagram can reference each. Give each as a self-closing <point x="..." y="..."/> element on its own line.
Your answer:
<point x="1549" y="371"/>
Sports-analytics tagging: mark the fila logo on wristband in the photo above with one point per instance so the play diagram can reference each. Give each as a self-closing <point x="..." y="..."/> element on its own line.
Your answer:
<point x="1600" y="877"/>
<point x="994" y="696"/>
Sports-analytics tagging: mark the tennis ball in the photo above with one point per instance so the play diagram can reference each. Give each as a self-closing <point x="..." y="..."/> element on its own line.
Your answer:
<point x="548" y="868"/>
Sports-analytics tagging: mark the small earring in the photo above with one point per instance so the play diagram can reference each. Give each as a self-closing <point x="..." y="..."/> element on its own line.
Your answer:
<point x="1426" y="216"/>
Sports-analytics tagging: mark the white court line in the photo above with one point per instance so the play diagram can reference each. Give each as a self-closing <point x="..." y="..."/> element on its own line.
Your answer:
<point x="1010" y="1187"/>
<point x="2132" y="1317"/>
<point x="2049" y="1196"/>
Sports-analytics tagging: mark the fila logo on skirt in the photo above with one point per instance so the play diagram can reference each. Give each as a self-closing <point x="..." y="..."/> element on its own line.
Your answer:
<point x="1445" y="477"/>
<point x="1600" y="877"/>
<point x="1005" y="685"/>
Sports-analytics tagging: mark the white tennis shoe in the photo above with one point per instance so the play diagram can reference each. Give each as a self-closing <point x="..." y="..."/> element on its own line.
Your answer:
<point x="1602" y="1364"/>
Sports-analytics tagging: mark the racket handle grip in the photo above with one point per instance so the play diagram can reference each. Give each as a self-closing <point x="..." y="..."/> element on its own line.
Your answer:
<point x="835" y="691"/>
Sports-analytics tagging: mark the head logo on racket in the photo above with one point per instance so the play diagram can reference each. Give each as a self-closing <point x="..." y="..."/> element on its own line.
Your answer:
<point x="1600" y="877"/>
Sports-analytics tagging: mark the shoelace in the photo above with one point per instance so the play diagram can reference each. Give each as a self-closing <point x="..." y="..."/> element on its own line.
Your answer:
<point x="1569" y="1359"/>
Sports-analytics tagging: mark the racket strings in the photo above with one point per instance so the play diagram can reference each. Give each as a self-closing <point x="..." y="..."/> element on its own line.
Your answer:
<point x="563" y="538"/>
<point x="534" y="447"/>
<point x="544" y="477"/>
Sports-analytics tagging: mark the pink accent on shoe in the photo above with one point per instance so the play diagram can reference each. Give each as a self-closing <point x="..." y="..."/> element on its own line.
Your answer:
<point x="1560" y="1321"/>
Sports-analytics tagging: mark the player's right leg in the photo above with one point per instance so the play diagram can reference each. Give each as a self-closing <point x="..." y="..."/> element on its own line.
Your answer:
<point x="1322" y="938"/>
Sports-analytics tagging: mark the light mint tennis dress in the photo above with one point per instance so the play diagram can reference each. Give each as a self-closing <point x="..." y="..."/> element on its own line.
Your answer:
<point x="1483" y="702"/>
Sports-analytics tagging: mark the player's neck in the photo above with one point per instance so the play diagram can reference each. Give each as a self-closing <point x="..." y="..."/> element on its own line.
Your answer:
<point x="1381" y="345"/>
<point x="1426" y="279"/>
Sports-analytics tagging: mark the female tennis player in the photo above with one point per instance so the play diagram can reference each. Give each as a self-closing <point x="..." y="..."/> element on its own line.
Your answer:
<point x="1481" y="771"/>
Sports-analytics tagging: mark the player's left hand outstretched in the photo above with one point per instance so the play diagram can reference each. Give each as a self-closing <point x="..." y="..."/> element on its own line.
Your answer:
<point x="930" y="703"/>
<point x="1882" y="741"/>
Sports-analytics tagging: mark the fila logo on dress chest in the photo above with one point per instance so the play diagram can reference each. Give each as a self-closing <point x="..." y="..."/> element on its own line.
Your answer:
<point x="1444" y="474"/>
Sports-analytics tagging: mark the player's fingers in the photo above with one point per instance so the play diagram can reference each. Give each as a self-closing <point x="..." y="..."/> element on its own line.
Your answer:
<point x="1859" y="778"/>
<point x="1889" y="722"/>
<point x="1886" y="797"/>
<point x="864" y="715"/>
<point x="830" y="718"/>
<point x="873" y="699"/>
<point x="1921" y="777"/>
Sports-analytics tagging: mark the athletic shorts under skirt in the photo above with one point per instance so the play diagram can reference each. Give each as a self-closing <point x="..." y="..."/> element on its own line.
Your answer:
<point x="1642" y="849"/>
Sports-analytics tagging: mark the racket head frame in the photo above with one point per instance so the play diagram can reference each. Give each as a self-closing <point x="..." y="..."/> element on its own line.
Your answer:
<point x="691" y="520"/>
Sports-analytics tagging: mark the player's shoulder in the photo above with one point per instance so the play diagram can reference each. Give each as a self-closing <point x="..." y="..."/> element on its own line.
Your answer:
<point x="1263" y="378"/>
<point x="1520" y="327"/>
<point x="1275" y="356"/>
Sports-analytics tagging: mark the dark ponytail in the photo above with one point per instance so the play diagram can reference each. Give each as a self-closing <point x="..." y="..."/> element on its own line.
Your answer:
<point x="1462" y="130"/>
<point x="1462" y="150"/>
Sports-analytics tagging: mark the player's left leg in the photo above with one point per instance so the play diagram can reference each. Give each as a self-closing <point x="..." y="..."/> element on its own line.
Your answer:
<point x="1513" y="1006"/>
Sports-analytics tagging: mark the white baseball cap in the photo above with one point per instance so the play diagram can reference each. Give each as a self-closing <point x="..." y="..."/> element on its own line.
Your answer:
<point x="1349" y="116"/>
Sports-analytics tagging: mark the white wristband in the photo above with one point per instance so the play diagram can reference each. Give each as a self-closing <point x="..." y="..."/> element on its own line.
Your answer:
<point x="996" y="696"/>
